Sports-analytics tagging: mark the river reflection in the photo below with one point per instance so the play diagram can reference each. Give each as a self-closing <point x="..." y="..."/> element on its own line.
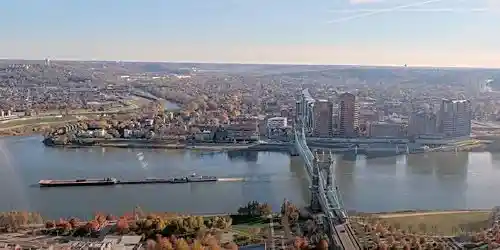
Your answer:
<point x="250" y="156"/>
<point x="425" y="181"/>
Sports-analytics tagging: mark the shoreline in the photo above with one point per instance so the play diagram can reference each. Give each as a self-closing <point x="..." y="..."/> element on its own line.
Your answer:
<point x="224" y="147"/>
<point x="141" y="143"/>
<point x="380" y="215"/>
<point x="215" y="147"/>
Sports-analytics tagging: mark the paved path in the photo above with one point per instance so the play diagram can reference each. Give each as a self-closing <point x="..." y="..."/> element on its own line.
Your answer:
<point x="396" y="215"/>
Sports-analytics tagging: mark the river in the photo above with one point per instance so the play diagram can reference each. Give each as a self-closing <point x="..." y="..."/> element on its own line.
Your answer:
<point x="429" y="181"/>
<point x="168" y="105"/>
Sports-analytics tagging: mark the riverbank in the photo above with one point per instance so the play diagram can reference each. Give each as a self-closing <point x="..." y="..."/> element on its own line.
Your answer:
<point x="461" y="229"/>
<point x="33" y="126"/>
<point x="170" y="144"/>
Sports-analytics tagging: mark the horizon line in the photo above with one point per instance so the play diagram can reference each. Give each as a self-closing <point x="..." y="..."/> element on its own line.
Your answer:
<point x="262" y="63"/>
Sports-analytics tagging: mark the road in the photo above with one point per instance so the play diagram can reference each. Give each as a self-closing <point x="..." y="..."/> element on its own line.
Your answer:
<point x="346" y="237"/>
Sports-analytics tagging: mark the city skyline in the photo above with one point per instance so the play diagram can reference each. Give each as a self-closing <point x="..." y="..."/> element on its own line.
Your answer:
<point x="356" y="32"/>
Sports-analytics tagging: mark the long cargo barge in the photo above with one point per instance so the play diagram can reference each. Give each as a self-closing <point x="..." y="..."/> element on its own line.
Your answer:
<point x="114" y="181"/>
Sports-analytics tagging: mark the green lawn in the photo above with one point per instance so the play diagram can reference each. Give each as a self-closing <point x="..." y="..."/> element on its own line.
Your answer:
<point x="45" y="120"/>
<point x="445" y="223"/>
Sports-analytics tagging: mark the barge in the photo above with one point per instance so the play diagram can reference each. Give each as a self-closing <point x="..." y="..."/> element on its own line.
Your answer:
<point x="78" y="182"/>
<point x="114" y="181"/>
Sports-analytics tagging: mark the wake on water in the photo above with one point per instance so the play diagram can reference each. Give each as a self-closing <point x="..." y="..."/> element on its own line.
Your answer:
<point x="140" y="158"/>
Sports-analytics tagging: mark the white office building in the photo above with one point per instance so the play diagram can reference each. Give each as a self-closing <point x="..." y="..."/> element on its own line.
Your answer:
<point x="277" y="123"/>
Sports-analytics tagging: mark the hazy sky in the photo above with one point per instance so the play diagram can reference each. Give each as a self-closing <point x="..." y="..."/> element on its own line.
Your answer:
<point x="376" y="32"/>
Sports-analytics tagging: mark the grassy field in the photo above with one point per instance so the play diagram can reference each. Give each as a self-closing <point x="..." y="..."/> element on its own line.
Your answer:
<point x="441" y="223"/>
<point x="25" y="122"/>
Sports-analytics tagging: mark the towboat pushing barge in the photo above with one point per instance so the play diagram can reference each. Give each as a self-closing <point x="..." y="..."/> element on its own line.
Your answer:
<point x="114" y="181"/>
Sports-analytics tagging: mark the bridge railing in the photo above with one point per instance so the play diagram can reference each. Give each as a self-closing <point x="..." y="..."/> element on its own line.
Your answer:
<point x="330" y="196"/>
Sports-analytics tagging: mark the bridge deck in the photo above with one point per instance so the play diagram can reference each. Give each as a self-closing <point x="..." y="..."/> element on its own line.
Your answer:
<point x="346" y="237"/>
<point x="329" y="199"/>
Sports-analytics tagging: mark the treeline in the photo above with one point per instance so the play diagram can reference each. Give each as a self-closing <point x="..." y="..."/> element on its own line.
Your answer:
<point x="167" y="225"/>
<point x="205" y="241"/>
<point x="133" y="224"/>
<point x="15" y="220"/>
<point x="162" y="231"/>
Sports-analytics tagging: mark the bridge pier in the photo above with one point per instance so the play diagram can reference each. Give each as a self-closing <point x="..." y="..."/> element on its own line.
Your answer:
<point x="293" y="150"/>
<point x="315" y="192"/>
<point x="329" y="171"/>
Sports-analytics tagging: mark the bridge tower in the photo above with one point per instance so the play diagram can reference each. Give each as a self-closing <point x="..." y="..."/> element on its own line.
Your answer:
<point x="329" y="171"/>
<point x="315" y="192"/>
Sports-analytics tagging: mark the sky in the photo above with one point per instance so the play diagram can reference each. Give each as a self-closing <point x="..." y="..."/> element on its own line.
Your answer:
<point x="347" y="32"/>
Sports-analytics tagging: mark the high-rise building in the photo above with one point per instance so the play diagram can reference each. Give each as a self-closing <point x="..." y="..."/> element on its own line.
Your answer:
<point x="348" y="115"/>
<point x="455" y="118"/>
<point x="309" y="116"/>
<point x="422" y="123"/>
<point x="385" y="129"/>
<point x="307" y="103"/>
<point x="299" y="112"/>
<point x="323" y="119"/>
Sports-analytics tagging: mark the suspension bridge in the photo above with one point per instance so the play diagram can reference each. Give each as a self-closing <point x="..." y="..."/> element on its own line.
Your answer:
<point x="325" y="195"/>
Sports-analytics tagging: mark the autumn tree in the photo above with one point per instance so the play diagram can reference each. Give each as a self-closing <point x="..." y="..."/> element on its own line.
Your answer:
<point x="231" y="246"/>
<point x="100" y="218"/>
<point x="63" y="224"/>
<point x="197" y="245"/>
<point x="122" y="226"/>
<point x="74" y="222"/>
<point x="264" y="209"/>
<point x="255" y="208"/>
<point x="181" y="244"/>
<point x="291" y="211"/>
<point x="300" y="243"/>
<point x="92" y="226"/>
<point x="50" y="224"/>
<point x="162" y="243"/>
<point x="322" y="245"/>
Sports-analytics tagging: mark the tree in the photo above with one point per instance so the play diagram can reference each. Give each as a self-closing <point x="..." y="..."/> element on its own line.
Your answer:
<point x="74" y="222"/>
<point x="244" y="210"/>
<point x="151" y="245"/>
<point x="50" y="224"/>
<point x="231" y="246"/>
<point x="122" y="226"/>
<point x="100" y="218"/>
<point x="197" y="245"/>
<point x="92" y="226"/>
<point x="211" y="105"/>
<point x="163" y="243"/>
<point x="181" y="244"/>
<point x="264" y="209"/>
<point x="63" y="224"/>
<point x="294" y="217"/>
<point x="300" y="243"/>
<point x="322" y="245"/>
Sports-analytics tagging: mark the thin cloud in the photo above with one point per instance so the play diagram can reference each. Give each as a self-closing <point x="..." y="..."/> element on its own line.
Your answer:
<point x="382" y="11"/>
<point x="364" y="1"/>
<point x="494" y="4"/>
<point x="413" y="10"/>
